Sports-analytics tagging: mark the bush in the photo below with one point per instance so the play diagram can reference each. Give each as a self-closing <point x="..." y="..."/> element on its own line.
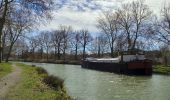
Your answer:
<point x="59" y="61"/>
<point x="74" y="62"/>
<point x="1" y="69"/>
<point x="33" y="65"/>
<point x="54" y="82"/>
<point x="41" y="70"/>
<point x="161" y="69"/>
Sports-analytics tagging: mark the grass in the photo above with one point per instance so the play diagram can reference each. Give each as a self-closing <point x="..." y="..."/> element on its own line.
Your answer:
<point x="54" y="82"/>
<point x="40" y="70"/>
<point x="161" y="69"/>
<point x="5" y="68"/>
<point x="32" y="87"/>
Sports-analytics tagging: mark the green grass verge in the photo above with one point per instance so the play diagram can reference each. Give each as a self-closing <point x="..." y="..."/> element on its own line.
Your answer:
<point x="31" y="87"/>
<point x="161" y="69"/>
<point x="5" y="68"/>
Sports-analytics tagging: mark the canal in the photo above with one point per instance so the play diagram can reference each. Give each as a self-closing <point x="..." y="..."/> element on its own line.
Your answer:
<point x="84" y="84"/>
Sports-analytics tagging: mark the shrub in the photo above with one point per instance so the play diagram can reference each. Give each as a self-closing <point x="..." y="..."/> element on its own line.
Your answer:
<point x="74" y="62"/>
<point x="161" y="69"/>
<point x="41" y="70"/>
<point x="1" y="69"/>
<point x="54" y="82"/>
<point x="59" y="61"/>
<point x="33" y="65"/>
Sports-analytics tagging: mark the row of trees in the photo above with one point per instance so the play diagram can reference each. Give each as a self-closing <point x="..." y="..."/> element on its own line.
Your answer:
<point x="131" y="27"/>
<point x="57" y="44"/>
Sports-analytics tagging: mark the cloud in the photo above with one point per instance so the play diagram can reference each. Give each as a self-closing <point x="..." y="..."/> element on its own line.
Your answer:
<point x="82" y="14"/>
<point x="77" y="19"/>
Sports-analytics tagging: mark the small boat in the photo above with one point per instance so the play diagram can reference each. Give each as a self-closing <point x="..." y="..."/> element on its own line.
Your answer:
<point x="124" y="64"/>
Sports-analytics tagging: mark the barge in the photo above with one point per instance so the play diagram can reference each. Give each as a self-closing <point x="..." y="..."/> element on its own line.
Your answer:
<point x="125" y="64"/>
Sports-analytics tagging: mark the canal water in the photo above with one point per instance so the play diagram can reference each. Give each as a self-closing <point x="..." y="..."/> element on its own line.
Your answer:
<point x="84" y="84"/>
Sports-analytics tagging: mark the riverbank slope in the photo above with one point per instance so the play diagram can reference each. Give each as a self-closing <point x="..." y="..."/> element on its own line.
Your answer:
<point x="157" y="69"/>
<point x="32" y="87"/>
<point x="161" y="69"/>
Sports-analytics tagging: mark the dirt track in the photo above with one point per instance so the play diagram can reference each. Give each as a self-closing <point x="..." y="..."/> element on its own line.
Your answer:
<point x="9" y="81"/>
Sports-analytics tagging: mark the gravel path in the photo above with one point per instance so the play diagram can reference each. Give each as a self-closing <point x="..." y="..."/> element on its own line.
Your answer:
<point x="9" y="81"/>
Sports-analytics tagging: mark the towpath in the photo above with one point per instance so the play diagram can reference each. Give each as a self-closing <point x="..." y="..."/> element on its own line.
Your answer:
<point x="9" y="81"/>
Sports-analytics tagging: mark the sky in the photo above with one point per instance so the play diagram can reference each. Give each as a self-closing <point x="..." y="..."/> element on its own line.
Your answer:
<point x="83" y="14"/>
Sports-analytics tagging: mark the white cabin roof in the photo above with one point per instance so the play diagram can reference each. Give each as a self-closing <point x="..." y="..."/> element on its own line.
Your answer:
<point x="126" y="58"/>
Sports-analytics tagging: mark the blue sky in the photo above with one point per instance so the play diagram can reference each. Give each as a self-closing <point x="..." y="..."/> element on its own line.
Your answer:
<point x="83" y="14"/>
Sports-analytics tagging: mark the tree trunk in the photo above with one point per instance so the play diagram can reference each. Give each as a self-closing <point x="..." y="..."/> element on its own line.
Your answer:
<point x="58" y="52"/>
<point x="3" y="45"/>
<point x="33" y="55"/>
<point x="99" y="54"/>
<point x="41" y="52"/>
<point x="9" y="52"/>
<point x="47" y="55"/>
<point x="1" y="48"/>
<point x="64" y="54"/>
<point x="112" y="55"/>
<point x="76" y="52"/>
<point x="166" y="60"/>
<point x="84" y="51"/>
<point x="129" y="44"/>
<point x="55" y="53"/>
<point x="2" y="20"/>
<point x="136" y="36"/>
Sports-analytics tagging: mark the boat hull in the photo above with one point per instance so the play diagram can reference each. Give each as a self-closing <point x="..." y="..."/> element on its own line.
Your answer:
<point x="131" y="68"/>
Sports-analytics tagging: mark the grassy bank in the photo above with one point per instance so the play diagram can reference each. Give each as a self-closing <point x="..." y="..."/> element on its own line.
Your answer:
<point x="5" y="68"/>
<point x="33" y="87"/>
<point x="161" y="69"/>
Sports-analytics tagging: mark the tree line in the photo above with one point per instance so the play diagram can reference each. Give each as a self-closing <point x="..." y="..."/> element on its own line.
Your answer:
<point x="131" y="27"/>
<point x="58" y="44"/>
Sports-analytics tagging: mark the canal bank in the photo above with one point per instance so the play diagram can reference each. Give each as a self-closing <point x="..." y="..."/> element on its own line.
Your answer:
<point x="32" y="86"/>
<point x="157" y="69"/>
<point x="84" y="84"/>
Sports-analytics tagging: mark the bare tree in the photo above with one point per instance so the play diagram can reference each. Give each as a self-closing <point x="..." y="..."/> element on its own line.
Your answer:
<point x="36" y="9"/>
<point x="40" y="46"/>
<point x="85" y="39"/>
<point x="163" y="26"/>
<point x="20" y="49"/>
<point x="75" y="43"/>
<point x="3" y="10"/>
<point x="16" y="26"/>
<point x="57" y="40"/>
<point x="4" y="39"/>
<point x="33" y="44"/>
<point x="100" y="45"/>
<point x="133" y="18"/>
<point x="109" y="26"/>
<point x="66" y="34"/>
<point x="121" y="43"/>
<point x="46" y="40"/>
<point x="165" y="51"/>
